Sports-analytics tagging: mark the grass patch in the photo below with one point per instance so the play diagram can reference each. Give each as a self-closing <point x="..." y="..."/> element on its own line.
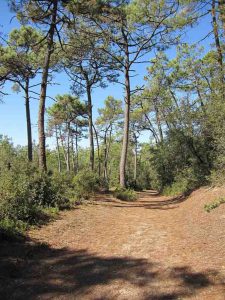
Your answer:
<point x="215" y="204"/>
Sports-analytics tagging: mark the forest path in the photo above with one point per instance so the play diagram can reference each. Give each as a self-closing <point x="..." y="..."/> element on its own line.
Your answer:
<point x="155" y="248"/>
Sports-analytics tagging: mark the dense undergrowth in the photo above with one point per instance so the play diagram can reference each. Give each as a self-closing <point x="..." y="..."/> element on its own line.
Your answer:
<point x="29" y="197"/>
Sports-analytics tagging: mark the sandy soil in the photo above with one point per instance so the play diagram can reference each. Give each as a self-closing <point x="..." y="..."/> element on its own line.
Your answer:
<point x="155" y="248"/>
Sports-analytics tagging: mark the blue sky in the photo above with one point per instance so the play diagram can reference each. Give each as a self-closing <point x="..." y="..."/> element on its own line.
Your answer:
<point x="12" y="111"/>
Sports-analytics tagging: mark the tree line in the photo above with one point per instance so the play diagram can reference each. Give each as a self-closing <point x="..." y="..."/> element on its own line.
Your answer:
<point x="96" y="43"/>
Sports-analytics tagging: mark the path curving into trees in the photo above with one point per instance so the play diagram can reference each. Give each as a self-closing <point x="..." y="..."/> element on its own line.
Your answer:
<point x="155" y="248"/>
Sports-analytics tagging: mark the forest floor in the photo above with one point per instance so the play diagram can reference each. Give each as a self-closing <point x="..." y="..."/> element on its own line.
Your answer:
<point x="156" y="248"/>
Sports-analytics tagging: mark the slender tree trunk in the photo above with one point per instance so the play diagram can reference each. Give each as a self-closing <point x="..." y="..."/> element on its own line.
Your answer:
<point x="76" y="149"/>
<point x="58" y="151"/>
<point x="107" y="153"/>
<point x="41" y="112"/>
<point x="105" y="175"/>
<point x="123" y="158"/>
<point x="135" y="160"/>
<point x="68" y="148"/>
<point x="73" y="157"/>
<point x="29" y="131"/>
<point x="62" y="144"/>
<point x="98" y="149"/>
<point x="158" y="121"/>
<point x="90" y="125"/>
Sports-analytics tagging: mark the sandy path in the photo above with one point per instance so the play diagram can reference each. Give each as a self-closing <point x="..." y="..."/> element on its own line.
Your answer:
<point x="155" y="248"/>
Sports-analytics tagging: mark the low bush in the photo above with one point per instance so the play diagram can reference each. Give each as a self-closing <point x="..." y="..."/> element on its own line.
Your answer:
<point x="85" y="183"/>
<point x="125" y="194"/>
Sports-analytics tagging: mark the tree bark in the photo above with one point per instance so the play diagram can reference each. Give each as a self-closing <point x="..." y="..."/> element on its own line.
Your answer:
<point x="68" y="148"/>
<point x="105" y="175"/>
<point x="98" y="149"/>
<point x="216" y="36"/>
<point x="221" y="4"/>
<point x="123" y="158"/>
<point x="76" y="149"/>
<point x="29" y="131"/>
<point x="62" y="145"/>
<point x="41" y="112"/>
<point x="58" y="151"/>
<point x="90" y="126"/>
<point x="135" y="159"/>
<point x="73" y="155"/>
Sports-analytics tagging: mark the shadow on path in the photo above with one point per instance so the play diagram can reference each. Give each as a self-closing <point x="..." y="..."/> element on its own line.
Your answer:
<point x="147" y="200"/>
<point x="35" y="271"/>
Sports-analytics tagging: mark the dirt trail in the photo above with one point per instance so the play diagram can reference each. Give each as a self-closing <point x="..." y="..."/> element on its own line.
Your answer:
<point x="155" y="248"/>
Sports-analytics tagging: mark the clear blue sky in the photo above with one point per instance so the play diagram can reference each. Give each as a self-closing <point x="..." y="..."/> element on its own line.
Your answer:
<point x="12" y="111"/>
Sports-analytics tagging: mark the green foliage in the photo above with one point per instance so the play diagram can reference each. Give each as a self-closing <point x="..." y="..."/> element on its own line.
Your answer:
<point x="213" y="205"/>
<point x="136" y="185"/>
<point x="23" y="197"/>
<point x="26" y="195"/>
<point x="85" y="184"/>
<point x="125" y="194"/>
<point x="184" y="182"/>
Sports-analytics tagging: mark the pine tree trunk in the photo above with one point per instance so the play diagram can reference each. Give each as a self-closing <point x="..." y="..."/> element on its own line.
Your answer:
<point x="62" y="145"/>
<point x="221" y="4"/>
<point x="105" y="157"/>
<point x="73" y="156"/>
<point x="123" y="158"/>
<point x="77" y="154"/>
<point x="41" y="112"/>
<point x="107" y="149"/>
<point x="58" y="151"/>
<point x="98" y="149"/>
<point x="216" y="36"/>
<point x="135" y="160"/>
<point x="90" y="125"/>
<point x="68" y="148"/>
<point x="29" y="131"/>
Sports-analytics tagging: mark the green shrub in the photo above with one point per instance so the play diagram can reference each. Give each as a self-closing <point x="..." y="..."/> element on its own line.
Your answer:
<point x="48" y="191"/>
<point x="85" y="184"/>
<point x="184" y="182"/>
<point x="27" y="196"/>
<point x="103" y="184"/>
<point x="125" y="194"/>
<point x="11" y="227"/>
<point x="135" y="185"/>
<point x="213" y="205"/>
